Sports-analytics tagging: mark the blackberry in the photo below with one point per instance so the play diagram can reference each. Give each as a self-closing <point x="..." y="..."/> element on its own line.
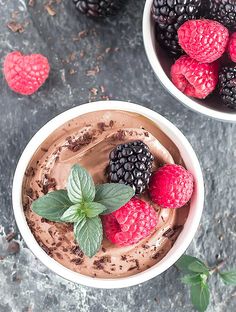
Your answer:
<point x="169" y="15"/>
<point x="131" y="164"/>
<point x="227" y="86"/>
<point x="223" y="11"/>
<point x="101" y="8"/>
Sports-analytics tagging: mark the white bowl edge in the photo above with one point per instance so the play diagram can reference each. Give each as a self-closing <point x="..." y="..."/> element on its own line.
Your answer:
<point x="184" y="238"/>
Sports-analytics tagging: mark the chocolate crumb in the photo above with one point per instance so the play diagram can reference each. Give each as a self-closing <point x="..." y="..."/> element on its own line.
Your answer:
<point x="10" y="236"/>
<point x="48" y="183"/>
<point x="58" y="244"/>
<point x="170" y="232"/>
<point x="31" y="3"/>
<point x="101" y="126"/>
<point x="124" y="258"/>
<point x="76" y="145"/>
<point x="120" y="135"/>
<point x="13" y="248"/>
<point x="59" y="256"/>
<point x="104" y="249"/>
<point x="29" y="192"/>
<point x="77" y="261"/>
<point x="99" y="264"/>
<point x="156" y="255"/>
<point x="77" y="251"/>
<point x="15" y="26"/>
<point x="44" y="149"/>
<point x="146" y="134"/>
<point x="111" y="123"/>
<point x="145" y="246"/>
<point x="30" y="172"/>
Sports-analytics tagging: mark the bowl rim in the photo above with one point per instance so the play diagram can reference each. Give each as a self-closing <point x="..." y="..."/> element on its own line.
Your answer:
<point x="164" y="79"/>
<point x="186" y="235"/>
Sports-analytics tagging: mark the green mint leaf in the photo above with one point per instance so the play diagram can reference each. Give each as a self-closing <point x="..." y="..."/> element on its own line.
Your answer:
<point x="192" y="279"/>
<point x="52" y="205"/>
<point x="113" y="195"/>
<point x="200" y="296"/>
<point x="189" y="264"/>
<point x="229" y="278"/>
<point x="72" y="214"/>
<point x="199" y="267"/>
<point x="80" y="185"/>
<point x="93" y="209"/>
<point x="89" y="234"/>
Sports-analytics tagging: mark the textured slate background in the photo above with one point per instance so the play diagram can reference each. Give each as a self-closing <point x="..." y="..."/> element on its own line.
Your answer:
<point x="116" y="48"/>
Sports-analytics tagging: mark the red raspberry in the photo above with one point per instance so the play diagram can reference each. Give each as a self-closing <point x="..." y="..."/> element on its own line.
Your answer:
<point x="204" y="40"/>
<point x="232" y="47"/>
<point x="25" y="74"/>
<point x="171" y="186"/>
<point x="131" y="223"/>
<point x="194" y="79"/>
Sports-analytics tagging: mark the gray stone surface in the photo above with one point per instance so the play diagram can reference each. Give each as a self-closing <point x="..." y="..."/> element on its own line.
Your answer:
<point x="26" y="284"/>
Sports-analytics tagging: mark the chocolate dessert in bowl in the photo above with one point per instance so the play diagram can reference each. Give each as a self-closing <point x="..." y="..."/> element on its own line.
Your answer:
<point x="109" y="192"/>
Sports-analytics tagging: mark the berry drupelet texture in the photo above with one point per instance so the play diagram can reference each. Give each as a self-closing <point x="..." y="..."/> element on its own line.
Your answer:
<point x="98" y="8"/>
<point x="131" y="164"/>
<point x="169" y="15"/>
<point x="227" y="86"/>
<point x="223" y="11"/>
<point x="131" y="223"/>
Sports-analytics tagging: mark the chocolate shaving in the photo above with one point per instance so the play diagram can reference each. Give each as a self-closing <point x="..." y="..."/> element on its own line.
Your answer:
<point x="99" y="264"/>
<point x="29" y="192"/>
<point x="13" y="248"/>
<point x="59" y="256"/>
<point x="168" y="233"/>
<point x="156" y="255"/>
<point x="15" y="26"/>
<point x="77" y="251"/>
<point x="31" y="3"/>
<point x="44" y="149"/>
<point x="101" y="126"/>
<point x="120" y="135"/>
<point x="48" y="183"/>
<point x="30" y="172"/>
<point x="111" y="123"/>
<point x="76" y="145"/>
<point x="124" y="258"/>
<point x="77" y="261"/>
<point x="10" y="236"/>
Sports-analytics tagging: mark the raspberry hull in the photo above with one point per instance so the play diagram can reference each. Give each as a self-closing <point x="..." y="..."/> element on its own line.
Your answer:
<point x="25" y="74"/>
<point x="131" y="223"/>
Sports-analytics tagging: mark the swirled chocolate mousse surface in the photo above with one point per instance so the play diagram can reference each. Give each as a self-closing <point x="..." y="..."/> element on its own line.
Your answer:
<point x="88" y="140"/>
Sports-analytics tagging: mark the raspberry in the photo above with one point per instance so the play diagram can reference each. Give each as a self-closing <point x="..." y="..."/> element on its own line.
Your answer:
<point x="232" y="47"/>
<point x="204" y="40"/>
<point x="171" y="186"/>
<point x="193" y="78"/>
<point x="25" y="74"/>
<point x="131" y="223"/>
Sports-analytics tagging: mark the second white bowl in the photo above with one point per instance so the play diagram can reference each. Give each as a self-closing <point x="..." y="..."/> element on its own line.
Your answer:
<point x="161" y="64"/>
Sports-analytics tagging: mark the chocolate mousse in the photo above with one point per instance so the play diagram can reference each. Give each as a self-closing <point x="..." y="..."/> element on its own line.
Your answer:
<point x="87" y="140"/>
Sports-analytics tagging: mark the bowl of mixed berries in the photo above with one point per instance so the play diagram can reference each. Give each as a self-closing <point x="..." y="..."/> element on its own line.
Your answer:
<point x="191" y="46"/>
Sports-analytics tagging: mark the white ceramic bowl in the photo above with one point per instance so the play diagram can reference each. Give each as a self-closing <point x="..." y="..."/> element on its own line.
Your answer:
<point x="161" y="64"/>
<point x="185" y="236"/>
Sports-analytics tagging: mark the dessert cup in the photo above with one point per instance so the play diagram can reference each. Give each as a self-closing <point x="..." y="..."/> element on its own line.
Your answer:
<point x="161" y="64"/>
<point x="196" y="206"/>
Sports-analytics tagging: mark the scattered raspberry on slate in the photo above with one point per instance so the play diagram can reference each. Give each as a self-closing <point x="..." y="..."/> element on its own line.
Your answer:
<point x="171" y="186"/>
<point x="25" y="74"/>
<point x="232" y="47"/>
<point x="227" y="86"/>
<point x="131" y="223"/>
<point x="204" y="40"/>
<point x="131" y="164"/>
<point x="193" y="78"/>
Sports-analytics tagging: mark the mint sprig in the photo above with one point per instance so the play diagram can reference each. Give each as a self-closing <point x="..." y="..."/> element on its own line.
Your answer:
<point x="197" y="275"/>
<point x="82" y="204"/>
